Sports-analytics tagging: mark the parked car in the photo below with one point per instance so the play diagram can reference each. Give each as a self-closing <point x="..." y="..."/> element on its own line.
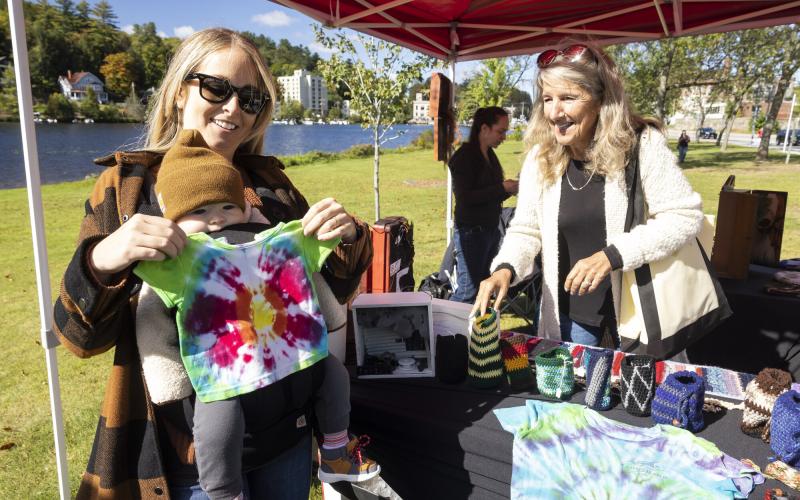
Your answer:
<point x="794" y="137"/>
<point x="706" y="133"/>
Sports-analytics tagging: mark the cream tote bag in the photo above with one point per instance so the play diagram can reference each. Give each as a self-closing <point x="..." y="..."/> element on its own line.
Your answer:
<point x="668" y="304"/>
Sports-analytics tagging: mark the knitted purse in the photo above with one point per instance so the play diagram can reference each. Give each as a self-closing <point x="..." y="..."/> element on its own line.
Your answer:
<point x="637" y="383"/>
<point x="598" y="378"/>
<point x="485" y="366"/>
<point x="679" y="401"/>
<point x="785" y="428"/>
<point x="554" y="373"/>
<point x="514" y="350"/>
<point x="759" y="398"/>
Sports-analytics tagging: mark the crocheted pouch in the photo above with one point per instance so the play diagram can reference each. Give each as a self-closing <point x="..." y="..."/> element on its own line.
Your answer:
<point x="679" y="401"/>
<point x="785" y="428"/>
<point x="637" y="383"/>
<point x="514" y="350"/>
<point x="759" y="398"/>
<point x="554" y="373"/>
<point x="597" y="363"/>
<point x="485" y="365"/>
<point x="451" y="358"/>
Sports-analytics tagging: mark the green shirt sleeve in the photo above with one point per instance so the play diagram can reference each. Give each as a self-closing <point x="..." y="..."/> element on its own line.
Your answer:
<point x="315" y="252"/>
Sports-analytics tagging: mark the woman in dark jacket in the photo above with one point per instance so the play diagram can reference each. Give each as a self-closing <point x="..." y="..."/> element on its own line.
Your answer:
<point x="218" y="84"/>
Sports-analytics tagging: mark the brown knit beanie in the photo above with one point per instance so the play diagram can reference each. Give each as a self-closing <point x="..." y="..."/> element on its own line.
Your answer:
<point x="192" y="175"/>
<point x="759" y="398"/>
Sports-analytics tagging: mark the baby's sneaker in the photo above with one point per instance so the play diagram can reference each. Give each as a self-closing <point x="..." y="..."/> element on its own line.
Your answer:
<point x="347" y="463"/>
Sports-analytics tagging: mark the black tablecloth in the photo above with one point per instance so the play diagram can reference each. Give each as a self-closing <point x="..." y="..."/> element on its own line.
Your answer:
<point x="438" y="441"/>
<point x="763" y="331"/>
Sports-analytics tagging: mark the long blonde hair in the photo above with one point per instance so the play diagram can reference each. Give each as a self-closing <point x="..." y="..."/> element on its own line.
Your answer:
<point x="617" y="124"/>
<point x="164" y="120"/>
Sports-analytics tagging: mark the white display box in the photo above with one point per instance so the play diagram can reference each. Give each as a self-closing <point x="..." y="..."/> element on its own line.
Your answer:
<point x="401" y="328"/>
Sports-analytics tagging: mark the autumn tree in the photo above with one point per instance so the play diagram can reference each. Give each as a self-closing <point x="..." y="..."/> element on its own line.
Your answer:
<point x="377" y="83"/>
<point x="119" y="71"/>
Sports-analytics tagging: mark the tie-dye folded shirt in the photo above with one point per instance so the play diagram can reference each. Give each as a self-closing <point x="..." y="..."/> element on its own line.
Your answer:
<point x="564" y="450"/>
<point x="247" y="314"/>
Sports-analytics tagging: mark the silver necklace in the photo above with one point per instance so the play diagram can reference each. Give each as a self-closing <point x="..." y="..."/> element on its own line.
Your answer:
<point x="566" y="174"/>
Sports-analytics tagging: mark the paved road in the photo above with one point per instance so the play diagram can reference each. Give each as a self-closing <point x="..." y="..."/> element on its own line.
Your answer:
<point x="741" y="139"/>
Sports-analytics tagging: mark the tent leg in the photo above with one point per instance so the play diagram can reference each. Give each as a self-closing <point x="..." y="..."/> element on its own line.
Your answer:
<point x="449" y="220"/>
<point x="29" y="150"/>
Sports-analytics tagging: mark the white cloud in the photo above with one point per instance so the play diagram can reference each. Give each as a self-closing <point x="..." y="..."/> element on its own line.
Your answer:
<point x="128" y="28"/>
<point x="162" y="34"/>
<point x="272" y="19"/>
<point x="318" y="47"/>
<point x="183" y="31"/>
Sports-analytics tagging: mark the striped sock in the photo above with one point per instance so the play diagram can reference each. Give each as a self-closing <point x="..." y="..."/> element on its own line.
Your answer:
<point x="335" y="440"/>
<point x="485" y="368"/>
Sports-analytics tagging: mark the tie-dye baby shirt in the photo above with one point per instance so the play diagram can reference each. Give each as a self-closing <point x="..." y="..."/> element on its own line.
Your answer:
<point x="564" y="450"/>
<point x="247" y="314"/>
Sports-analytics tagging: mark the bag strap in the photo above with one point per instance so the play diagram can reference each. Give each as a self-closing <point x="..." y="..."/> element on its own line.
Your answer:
<point x="633" y="184"/>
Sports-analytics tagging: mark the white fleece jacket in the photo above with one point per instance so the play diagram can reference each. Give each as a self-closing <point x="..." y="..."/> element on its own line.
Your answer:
<point x="675" y="216"/>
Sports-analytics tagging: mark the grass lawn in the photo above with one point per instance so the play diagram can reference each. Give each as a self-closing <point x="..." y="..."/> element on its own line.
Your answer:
<point x="413" y="185"/>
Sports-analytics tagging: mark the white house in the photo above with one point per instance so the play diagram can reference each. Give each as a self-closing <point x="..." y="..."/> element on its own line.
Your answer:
<point x="308" y="89"/>
<point x="75" y="85"/>
<point x="421" y="108"/>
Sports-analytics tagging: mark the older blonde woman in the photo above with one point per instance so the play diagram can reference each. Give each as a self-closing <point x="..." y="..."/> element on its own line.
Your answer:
<point x="218" y="84"/>
<point x="573" y="199"/>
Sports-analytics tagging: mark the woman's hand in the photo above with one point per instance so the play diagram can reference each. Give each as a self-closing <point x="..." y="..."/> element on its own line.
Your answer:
<point x="327" y="219"/>
<point x="143" y="237"/>
<point x="587" y="274"/>
<point x="498" y="284"/>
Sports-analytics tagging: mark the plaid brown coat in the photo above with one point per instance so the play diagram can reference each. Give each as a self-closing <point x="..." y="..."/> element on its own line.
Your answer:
<point x="91" y="318"/>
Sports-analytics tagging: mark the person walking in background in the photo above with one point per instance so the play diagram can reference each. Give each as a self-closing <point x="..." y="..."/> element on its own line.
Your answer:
<point x="683" y="146"/>
<point x="480" y="190"/>
<point x="573" y="198"/>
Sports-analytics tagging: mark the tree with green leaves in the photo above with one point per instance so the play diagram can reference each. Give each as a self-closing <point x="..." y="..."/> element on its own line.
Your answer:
<point x="151" y="52"/>
<point x="492" y="85"/>
<point x="59" y="108"/>
<point x="88" y="106"/>
<point x="786" y="40"/>
<point x="377" y="83"/>
<point x="134" y="110"/>
<point x="291" y="111"/>
<point x="9" y="107"/>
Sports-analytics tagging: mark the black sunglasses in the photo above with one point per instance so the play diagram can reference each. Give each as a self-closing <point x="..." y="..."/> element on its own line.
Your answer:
<point x="216" y="90"/>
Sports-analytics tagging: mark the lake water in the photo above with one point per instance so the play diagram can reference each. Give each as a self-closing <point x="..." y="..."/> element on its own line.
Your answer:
<point x="66" y="151"/>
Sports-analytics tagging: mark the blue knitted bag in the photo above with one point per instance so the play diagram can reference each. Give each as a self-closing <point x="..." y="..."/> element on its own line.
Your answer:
<point x="679" y="401"/>
<point x="785" y="428"/>
<point x="597" y="363"/>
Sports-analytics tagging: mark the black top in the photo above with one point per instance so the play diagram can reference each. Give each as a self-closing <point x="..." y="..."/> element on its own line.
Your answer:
<point x="477" y="186"/>
<point x="582" y="233"/>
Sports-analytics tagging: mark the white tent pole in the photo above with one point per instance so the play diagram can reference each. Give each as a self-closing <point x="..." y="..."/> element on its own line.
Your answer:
<point x="786" y="138"/>
<point x="449" y="223"/>
<point x="48" y="340"/>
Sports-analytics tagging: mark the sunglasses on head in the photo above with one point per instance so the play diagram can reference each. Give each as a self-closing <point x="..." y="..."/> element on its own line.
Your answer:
<point x="217" y="90"/>
<point x="572" y="54"/>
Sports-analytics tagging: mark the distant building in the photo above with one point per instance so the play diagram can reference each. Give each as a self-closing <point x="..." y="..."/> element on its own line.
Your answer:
<point x="75" y="85"/>
<point x="421" y="108"/>
<point x="308" y="89"/>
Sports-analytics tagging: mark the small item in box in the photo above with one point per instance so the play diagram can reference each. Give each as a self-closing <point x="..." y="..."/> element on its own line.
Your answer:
<point x="393" y="335"/>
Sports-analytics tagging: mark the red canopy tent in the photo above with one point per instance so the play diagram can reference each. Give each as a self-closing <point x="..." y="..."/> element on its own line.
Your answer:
<point x="465" y="30"/>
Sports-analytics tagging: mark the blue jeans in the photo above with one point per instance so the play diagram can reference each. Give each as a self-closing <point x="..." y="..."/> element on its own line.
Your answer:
<point x="579" y="333"/>
<point x="286" y="477"/>
<point x="475" y="247"/>
<point x="682" y="153"/>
